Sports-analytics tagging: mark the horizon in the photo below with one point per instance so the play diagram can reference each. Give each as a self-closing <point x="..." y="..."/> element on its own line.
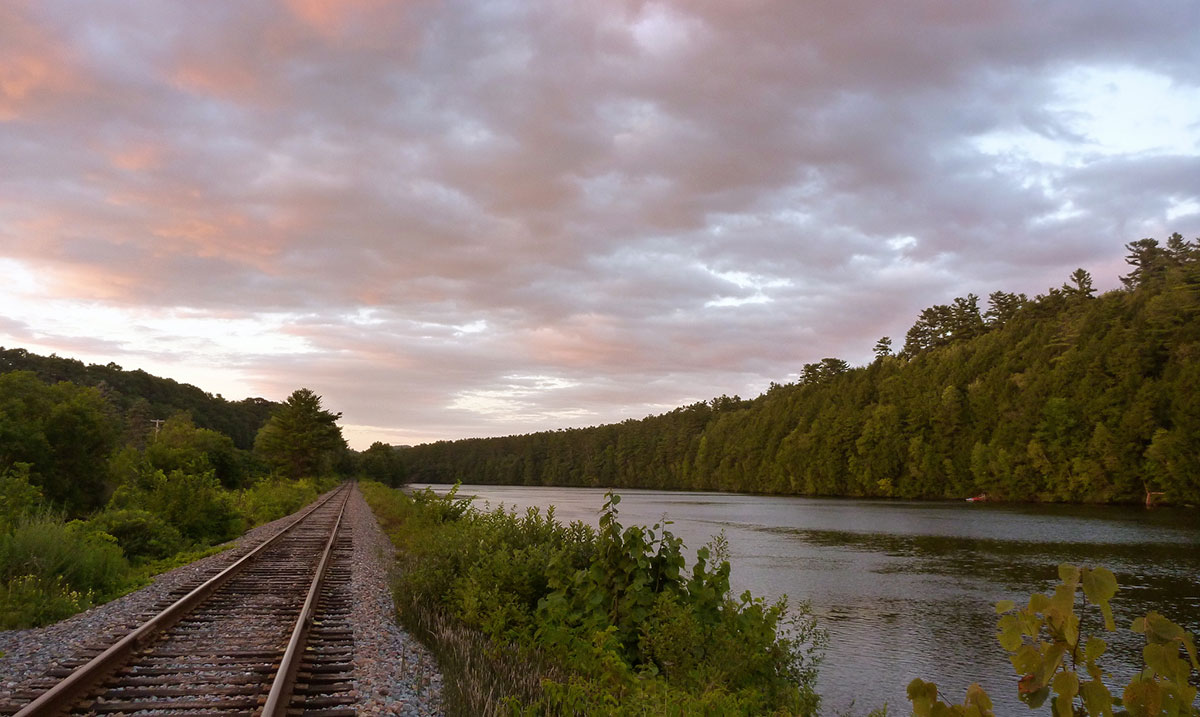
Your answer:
<point x="463" y="220"/>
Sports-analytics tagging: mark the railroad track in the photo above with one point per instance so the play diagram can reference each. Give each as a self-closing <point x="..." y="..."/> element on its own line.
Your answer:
<point x="269" y="635"/>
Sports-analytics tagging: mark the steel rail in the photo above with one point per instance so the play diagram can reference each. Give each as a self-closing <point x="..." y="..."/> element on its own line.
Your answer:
<point x="285" y="677"/>
<point x="61" y="696"/>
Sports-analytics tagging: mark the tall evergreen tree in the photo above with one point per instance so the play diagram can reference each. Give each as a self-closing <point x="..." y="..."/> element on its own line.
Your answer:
<point x="301" y="438"/>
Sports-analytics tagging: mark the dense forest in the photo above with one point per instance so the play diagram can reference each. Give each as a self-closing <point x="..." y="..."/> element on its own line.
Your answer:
<point x="1066" y="396"/>
<point x="140" y="397"/>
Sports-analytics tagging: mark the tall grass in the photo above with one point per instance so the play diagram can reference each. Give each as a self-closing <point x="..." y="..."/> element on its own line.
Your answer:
<point x="50" y="570"/>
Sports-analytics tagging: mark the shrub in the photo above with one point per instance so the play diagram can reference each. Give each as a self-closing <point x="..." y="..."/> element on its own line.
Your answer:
<point x="273" y="498"/>
<point x="31" y="601"/>
<point x="18" y="496"/>
<point x="627" y="629"/>
<point x="64" y="565"/>
<point x="194" y="503"/>
<point x="142" y="535"/>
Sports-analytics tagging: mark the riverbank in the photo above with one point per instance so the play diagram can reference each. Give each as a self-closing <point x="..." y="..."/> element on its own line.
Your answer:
<point x="907" y="588"/>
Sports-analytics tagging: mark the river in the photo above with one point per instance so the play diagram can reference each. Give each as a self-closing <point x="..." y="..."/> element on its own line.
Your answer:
<point x="907" y="589"/>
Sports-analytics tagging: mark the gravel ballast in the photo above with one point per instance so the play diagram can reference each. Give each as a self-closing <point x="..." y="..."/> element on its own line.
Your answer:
<point x="394" y="674"/>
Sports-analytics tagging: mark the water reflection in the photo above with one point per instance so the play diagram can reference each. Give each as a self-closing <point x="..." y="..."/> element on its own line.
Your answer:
<point x="906" y="589"/>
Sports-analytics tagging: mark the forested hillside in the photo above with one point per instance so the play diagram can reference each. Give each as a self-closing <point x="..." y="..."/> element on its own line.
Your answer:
<point x="1066" y="396"/>
<point x="141" y="397"/>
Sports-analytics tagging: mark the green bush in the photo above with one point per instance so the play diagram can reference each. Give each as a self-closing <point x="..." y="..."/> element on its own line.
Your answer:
<point x="18" y="496"/>
<point x="194" y="503"/>
<point x="625" y="627"/>
<point x="31" y="601"/>
<point x="142" y="535"/>
<point x="272" y="498"/>
<point x="50" y="569"/>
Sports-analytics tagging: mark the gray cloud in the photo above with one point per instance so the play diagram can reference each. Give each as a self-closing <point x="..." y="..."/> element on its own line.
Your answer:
<point x="640" y="203"/>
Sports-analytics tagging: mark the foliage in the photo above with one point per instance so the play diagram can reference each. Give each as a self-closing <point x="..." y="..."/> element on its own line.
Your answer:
<point x="301" y="438"/>
<point x="1063" y="397"/>
<point x="32" y="601"/>
<point x="65" y="447"/>
<point x="18" y="497"/>
<point x="272" y="498"/>
<point x="143" y="536"/>
<point x="140" y="397"/>
<point x="628" y="628"/>
<point x="382" y="463"/>
<point x="62" y="433"/>
<point x="1057" y="661"/>
<point x="180" y="445"/>
<point x="50" y="569"/>
<point x="193" y="503"/>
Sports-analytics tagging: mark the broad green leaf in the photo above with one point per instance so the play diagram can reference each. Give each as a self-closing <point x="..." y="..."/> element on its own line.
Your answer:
<point x="1161" y="658"/>
<point x="1190" y="645"/>
<point x="1065" y="683"/>
<point x="1004" y="606"/>
<point x="1036" y="698"/>
<point x="1099" y="584"/>
<point x="1095" y="648"/>
<point x="1109" y="623"/>
<point x="1097" y="700"/>
<point x="1142" y="697"/>
<point x="1009" y="632"/>
<point x="1069" y="574"/>
<point x="1050" y="662"/>
<point x="1071" y="629"/>
<point x="978" y="698"/>
<point x="1139" y="625"/>
<point x="1160" y="629"/>
<point x="1026" y="659"/>
<point x="923" y="696"/>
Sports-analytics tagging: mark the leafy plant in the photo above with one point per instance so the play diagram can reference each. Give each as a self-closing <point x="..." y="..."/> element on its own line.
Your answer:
<point x="625" y="626"/>
<point x="32" y="601"/>
<point x="142" y="535"/>
<point x="1057" y="661"/>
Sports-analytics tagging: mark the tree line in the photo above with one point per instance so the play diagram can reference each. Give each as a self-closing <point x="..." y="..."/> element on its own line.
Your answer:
<point x="1065" y="396"/>
<point x="137" y="397"/>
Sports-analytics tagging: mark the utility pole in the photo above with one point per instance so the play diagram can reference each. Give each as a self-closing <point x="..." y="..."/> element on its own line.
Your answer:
<point x="157" y="424"/>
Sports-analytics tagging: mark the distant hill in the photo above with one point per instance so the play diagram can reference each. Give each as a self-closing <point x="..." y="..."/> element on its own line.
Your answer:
<point x="142" y="397"/>
<point x="1067" y="396"/>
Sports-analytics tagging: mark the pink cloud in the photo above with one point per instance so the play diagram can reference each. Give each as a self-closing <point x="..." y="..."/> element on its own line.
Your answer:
<point x="137" y="157"/>
<point x="36" y="69"/>
<point x="220" y="80"/>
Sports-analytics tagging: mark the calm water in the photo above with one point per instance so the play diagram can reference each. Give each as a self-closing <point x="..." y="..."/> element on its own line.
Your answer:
<point x="907" y="589"/>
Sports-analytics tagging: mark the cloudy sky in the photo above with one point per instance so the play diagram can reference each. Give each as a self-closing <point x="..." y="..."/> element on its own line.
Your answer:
<point x="481" y="218"/>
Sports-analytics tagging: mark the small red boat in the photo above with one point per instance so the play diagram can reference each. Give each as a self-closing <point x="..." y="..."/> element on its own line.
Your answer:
<point x="978" y="499"/>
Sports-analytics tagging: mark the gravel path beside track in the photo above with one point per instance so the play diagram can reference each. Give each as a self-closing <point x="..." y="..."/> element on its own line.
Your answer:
<point x="395" y="675"/>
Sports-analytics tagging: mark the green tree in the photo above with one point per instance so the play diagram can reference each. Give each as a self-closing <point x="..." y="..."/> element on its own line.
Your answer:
<point x="64" y="433"/>
<point x="301" y="438"/>
<point x="883" y="347"/>
<point x="1080" y="286"/>
<point x="381" y="462"/>
<point x="179" y="445"/>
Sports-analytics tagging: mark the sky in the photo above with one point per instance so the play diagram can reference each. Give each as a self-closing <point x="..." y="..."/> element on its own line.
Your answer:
<point x="478" y="218"/>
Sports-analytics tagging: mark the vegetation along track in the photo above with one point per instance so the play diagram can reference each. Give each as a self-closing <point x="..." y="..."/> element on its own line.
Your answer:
<point x="268" y="635"/>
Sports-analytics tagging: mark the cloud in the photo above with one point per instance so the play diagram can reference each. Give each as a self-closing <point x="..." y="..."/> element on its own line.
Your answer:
<point x="646" y="202"/>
